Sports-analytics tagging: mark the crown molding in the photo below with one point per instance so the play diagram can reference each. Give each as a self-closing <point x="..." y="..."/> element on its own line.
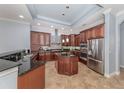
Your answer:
<point x="11" y="20"/>
<point x="120" y="13"/>
<point x="107" y="11"/>
<point x="53" y="20"/>
<point x="98" y="22"/>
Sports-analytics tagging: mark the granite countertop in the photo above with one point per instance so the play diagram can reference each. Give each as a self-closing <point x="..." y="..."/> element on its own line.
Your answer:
<point x="65" y="55"/>
<point x="29" y="66"/>
<point x="25" y="65"/>
<point x="5" y="64"/>
<point x="10" y="52"/>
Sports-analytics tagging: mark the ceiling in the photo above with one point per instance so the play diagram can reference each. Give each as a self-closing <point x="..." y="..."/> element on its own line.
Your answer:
<point x="12" y="12"/>
<point x="116" y="8"/>
<point x="54" y="12"/>
<point x="51" y="14"/>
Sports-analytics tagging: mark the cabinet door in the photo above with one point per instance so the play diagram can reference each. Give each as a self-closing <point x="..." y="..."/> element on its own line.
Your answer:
<point x="67" y="67"/>
<point x="47" y="39"/>
<point x="60" y="66"/>
<point x="93" y="33"/>
<point x="42" y="39"/>
<point x="34" y="38"/>
<point x="86" y="35"/>
<point x="76" y="40"/>
<point x="72" y="40"/>
<point x="89" y="34"/>
<point x="34" y="79"/>
<point x="74" y="67"/>
<point x="83" y="36"/>
<point x="99" y="31"/>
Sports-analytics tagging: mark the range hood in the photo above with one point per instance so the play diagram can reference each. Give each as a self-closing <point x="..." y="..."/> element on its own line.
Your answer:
<point x="55" y="39"/>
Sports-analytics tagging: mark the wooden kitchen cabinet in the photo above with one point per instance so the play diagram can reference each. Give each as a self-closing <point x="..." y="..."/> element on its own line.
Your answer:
<point x="67" y="65"/>
<point x="47" y="39"/>
<point x="39" y="39"/>
<point x="34" y="79"/>
<point x="83" y="36"/>
<point x="72" y="40"/>
<point x="42" y="39"/>
<point x="49" y="56"/>
<point x="99" y="31"/>
<point x="95" y="32"/>
<point x="65" y="43"/>
<point x="89" y="33"/>
<point x="34" y="38"/>
<point x="77" y="40"/>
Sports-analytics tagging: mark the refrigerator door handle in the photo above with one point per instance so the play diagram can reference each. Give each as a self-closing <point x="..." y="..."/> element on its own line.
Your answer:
<point x="95" y="60"/>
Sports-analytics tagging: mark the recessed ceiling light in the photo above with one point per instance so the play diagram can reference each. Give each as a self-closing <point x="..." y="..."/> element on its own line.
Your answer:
<point x="62" y="28"/>
<point x="63" y="14"/>
<point x="38" y="23"/>
<point x="21" y="16"/>
<point x="51" y="26"/>
<point x="67" y="7"/>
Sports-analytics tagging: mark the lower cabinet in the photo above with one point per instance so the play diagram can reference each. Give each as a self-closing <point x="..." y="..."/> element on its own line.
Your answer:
<point x="34" y="79"/>
<point x="49" y="56"/>
<point x="67" y="65"/>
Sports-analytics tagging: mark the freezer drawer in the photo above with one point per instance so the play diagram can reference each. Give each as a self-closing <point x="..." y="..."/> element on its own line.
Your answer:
<point x="95" y="65"/>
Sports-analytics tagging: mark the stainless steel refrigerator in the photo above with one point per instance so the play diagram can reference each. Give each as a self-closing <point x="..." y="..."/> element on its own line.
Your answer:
<point x="95" y="55"/>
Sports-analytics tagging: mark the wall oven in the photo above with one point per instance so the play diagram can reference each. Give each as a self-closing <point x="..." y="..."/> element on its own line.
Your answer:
<point x="83" y="51"/>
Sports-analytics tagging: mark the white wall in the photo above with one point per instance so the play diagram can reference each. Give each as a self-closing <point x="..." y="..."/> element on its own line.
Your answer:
<point x="122" y="45"/>
<point x="112" y="62"/>
<point x="14" y="36"/>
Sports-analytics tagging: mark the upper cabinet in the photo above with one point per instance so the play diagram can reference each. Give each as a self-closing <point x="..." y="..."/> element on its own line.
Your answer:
<point x="83" y="36"/>
<point x="99" y="31"/>
<point x="77" y="40"/>
<point x="39" y="39"/>
<point x="92" y="33"/>
<point x="72" y="40"/>
<point x="47" y="39"/>
<point x="68" y="40"/>
<point x="34" y="38"/>
<point x="42" y="39"/>
<point x="65" y="40"/>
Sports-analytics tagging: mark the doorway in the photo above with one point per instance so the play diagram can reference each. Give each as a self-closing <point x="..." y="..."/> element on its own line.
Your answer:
<point x="121" y="57"/>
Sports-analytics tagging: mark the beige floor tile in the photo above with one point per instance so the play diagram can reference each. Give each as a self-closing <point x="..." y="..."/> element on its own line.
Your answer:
<point x="85" y="79"/>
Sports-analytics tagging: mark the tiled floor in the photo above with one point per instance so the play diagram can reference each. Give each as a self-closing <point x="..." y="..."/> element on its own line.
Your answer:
<point x="86" y="78"/>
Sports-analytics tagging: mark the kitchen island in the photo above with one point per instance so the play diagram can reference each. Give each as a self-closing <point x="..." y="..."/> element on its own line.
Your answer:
<point x="66" y="64"/>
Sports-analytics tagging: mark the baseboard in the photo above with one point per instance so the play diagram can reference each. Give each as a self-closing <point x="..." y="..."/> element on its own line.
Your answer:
<point x="117" y="73"/>
<point x="111" y="74"/>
